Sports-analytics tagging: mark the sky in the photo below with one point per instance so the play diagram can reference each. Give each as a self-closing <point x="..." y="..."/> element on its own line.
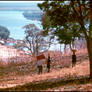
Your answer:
<point x="20" y="1"/>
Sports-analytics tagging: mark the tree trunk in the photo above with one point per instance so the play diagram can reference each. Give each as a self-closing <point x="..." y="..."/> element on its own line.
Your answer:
<point x="89" y="40"/>
<point x="89" y="47"/>
<point x="90" y="32"/>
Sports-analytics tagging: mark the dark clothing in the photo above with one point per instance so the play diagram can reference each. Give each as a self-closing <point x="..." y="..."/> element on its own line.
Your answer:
<point x="39" y="69"/>
<point x="73" y="60"/>
<point x="48" y="64"/>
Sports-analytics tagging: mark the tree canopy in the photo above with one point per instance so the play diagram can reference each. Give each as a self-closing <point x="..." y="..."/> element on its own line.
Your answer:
<point x="60" y="17"/>
<point x="34" y="39"/>
<point x="4" y="33"/>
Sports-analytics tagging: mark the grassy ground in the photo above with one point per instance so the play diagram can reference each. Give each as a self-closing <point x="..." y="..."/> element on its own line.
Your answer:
<point x="66" y="79"/>
<point x="63" y="79"/>
<point x="49" y="85"/>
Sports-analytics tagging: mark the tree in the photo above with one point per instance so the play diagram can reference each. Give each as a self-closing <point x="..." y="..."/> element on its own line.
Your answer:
<point x="19" y="44"/>
<point x="34" y="40"/>
<point x="68" y="35"/>
<point x="71" y="20"/>
<point x="4" y="33"/>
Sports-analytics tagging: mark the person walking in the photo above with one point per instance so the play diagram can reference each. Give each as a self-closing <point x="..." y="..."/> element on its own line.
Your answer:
<point x="48" y="63"/>
<point x="40" y="62"/>
<point x="73" y="58"/>
<point x="39" y="66"/>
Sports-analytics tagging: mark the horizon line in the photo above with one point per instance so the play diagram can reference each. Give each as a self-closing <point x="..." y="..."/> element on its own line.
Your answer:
<point x="20" y="1"/>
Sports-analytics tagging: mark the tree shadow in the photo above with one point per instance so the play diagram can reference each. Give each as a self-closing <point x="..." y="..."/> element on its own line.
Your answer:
<point x="43" y="85"/>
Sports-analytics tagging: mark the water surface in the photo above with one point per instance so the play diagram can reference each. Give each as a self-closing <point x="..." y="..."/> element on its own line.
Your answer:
<point x="14" y="21"/>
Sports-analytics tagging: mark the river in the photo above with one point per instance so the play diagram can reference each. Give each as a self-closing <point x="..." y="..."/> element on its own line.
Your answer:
<point x="14" y="21"/>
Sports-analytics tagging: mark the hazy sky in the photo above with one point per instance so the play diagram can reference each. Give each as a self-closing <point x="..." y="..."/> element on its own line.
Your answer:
<point x="20" y="1"/>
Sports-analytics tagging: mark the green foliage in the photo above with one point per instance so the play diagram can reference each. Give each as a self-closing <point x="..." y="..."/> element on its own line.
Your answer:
<point x="68" y="33"/>
<point x="61" y="18"/>
<point x="4" y="32"/>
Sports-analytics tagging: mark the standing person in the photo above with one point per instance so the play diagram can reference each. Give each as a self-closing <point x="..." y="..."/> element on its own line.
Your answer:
<point x="73" y="58"/>
<point x="48" y="63"/>
<point x="40" y="62"/>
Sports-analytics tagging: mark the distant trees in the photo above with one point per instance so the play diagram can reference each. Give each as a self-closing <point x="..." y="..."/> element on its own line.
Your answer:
<point x="19" y="44"/>
<point x="4" y="33"/>
<point x="34" y="39"/>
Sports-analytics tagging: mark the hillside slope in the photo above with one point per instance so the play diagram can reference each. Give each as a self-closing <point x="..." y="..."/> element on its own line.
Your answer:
<point x="79" y="71"/>
<point x="56" y="79"/>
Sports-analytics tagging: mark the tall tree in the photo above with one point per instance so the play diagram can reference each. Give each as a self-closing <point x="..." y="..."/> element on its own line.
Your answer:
<point x="70" y="20"/>
<point x="89" y="39"/>
<point x="34" y="40"/>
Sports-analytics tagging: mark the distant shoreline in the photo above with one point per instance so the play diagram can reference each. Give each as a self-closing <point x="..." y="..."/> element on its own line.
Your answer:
<point x="33" y="15"/>
<point x="19" y="9"/>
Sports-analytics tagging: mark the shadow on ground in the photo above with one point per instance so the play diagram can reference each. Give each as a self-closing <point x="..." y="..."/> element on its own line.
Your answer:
<point x="46" y="84"/>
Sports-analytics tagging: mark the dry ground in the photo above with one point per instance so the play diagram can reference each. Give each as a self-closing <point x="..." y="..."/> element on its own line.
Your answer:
<point x="54" y="76"/>
<point x="71" y="78"/>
